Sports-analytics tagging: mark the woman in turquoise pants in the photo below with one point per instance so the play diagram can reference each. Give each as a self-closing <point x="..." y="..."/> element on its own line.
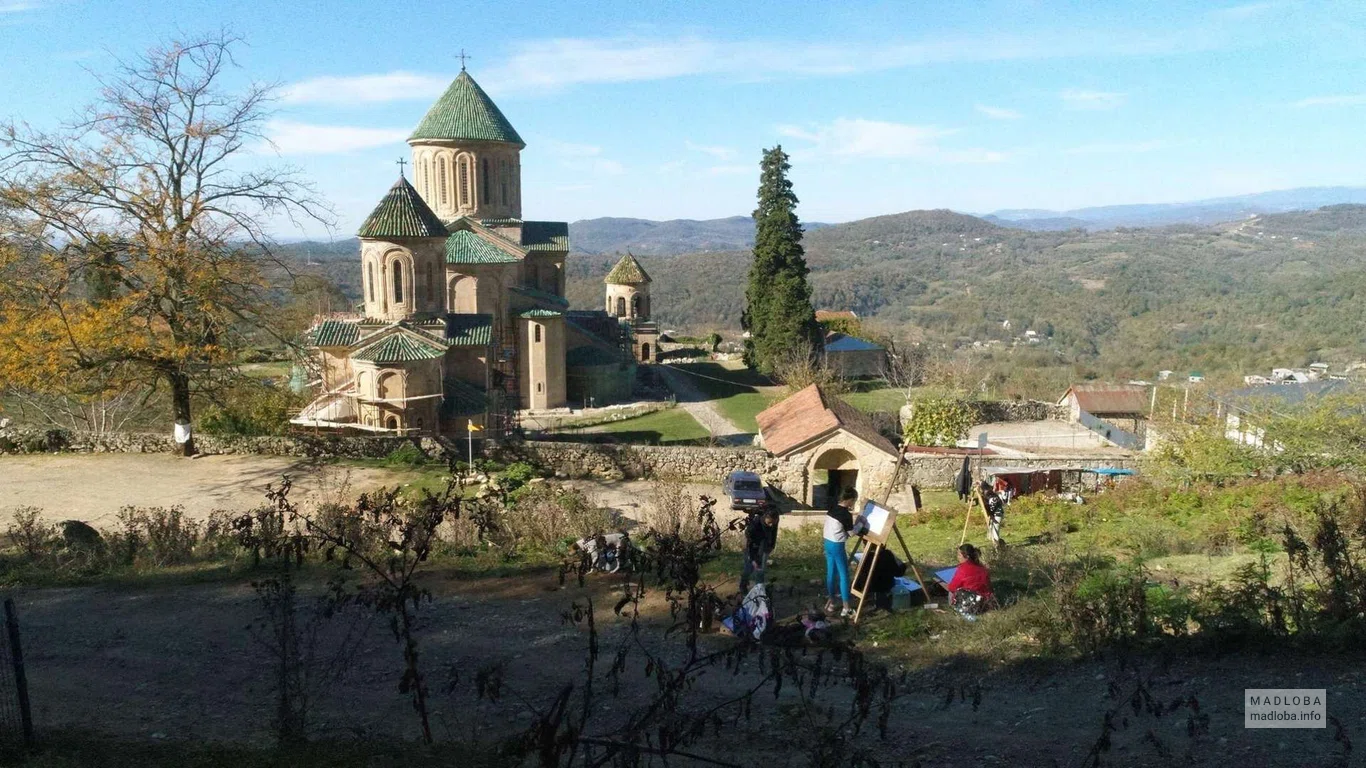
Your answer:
<point x="838" y="521"/>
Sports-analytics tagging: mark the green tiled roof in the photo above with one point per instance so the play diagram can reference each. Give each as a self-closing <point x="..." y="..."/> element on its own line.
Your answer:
<point x="334" y="333"/>
<point x="627" y="272"/>
<point x="402" y="214"/>
<point x="398" y="348"/>
<point x="462" y="399"/>
<point x="545" y="235"/>
<point x="466" y="247"/>
<point x="538" y="312"/>
<point x="500" y="222"/>
<point x="464" y="111"/>
<point x="539" y="295"/>
<point x="469" y="330"/>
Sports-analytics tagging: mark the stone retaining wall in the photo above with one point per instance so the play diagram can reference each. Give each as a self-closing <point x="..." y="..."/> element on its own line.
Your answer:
<point x="936" y="472"/>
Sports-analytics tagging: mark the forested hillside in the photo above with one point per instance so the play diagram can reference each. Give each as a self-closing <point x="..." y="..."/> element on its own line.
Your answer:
<point x="1278" y="289"/>
<point x="1274" y="289"/>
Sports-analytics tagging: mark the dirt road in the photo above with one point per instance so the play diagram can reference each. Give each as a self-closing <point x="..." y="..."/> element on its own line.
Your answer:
<point x="93" y="487"/>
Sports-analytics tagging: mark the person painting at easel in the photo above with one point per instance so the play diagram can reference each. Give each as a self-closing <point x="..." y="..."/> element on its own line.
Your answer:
<point x="838" y="521"/>
<point x="995" y="508"/>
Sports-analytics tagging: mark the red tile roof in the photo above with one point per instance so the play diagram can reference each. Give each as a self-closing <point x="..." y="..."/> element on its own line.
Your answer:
<point x="810" y="415"/>
<point x="1102" y="399"/>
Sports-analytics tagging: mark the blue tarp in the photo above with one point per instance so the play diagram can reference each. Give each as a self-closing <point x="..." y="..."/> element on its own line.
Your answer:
<point x="1111" y="471"/>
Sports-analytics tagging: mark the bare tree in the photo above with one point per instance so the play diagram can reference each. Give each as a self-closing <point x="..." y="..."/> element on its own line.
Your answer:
<point x="139" y="230"/>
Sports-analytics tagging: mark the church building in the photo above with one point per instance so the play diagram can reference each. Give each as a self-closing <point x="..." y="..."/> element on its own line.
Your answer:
<point x="463" y="316"/>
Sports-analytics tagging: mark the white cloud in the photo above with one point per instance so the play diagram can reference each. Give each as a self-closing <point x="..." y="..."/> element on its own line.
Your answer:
<point x="876" y="139"/>
<point x="1119" y="148"/>
<point x="550" y="64"/>
<point x="293" y="138"/>
<point x="1343" y="100"/>
<point x="1076" y="98"/>
<point x="720" y="153"/>
<point x="998" y="113"/>
<point x="392" y="86"/>
<point x="17" y="7"/>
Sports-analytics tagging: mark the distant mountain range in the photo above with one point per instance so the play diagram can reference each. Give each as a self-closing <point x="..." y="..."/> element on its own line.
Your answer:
<point x="1212" y="211"/>
<point x="644" y="237"/>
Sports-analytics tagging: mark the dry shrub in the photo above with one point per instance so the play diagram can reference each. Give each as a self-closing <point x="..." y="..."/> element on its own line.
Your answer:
<point x="670" y="511"/>
<point x="546" y="514"/>
<point x="35" y="538"/>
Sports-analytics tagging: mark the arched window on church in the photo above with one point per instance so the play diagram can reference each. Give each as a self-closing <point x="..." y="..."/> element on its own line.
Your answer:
<point x="398" y="282"/>
<point x="621" y="306"/>
<point x="370" y="280"/>
<point x="431" y="285"/>
<point x="538" y="334"/>
<point x="441" y="179"/>
<point x="503" y="181"/>
<point x="464" y="182"/>
<point x="486" y="197"/>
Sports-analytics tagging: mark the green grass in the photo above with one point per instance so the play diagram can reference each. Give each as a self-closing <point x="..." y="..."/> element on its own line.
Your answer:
<point x="674" y="425"/>
<point x="876" y="398"/>
<point x="736" y="394"/>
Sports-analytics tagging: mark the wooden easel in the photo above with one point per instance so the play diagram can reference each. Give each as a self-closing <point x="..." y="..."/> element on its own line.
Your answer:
<point x="873" y="544"/>
<point x="980" y="503"/>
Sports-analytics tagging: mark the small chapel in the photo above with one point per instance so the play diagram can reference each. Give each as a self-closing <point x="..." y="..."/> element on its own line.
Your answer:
<point x="463" y="318"/>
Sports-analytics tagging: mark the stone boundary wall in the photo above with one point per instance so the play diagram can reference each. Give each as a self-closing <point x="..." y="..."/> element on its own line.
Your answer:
<point x="608" y="461"/>
<point x="567" y="460"/>
<point x="21" y="440"/>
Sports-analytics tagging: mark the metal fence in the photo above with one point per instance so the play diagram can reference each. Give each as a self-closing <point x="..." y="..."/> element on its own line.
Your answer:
<point x="16" y="719"/>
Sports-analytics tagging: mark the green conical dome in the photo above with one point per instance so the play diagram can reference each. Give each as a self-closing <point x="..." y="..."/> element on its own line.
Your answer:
<point x="464" y="111"/>
<point x="627" y="272"/>
<point x="402" y="214"/>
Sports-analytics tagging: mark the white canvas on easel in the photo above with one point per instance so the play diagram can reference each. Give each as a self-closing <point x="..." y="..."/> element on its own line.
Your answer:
<point x="880" y="520"/>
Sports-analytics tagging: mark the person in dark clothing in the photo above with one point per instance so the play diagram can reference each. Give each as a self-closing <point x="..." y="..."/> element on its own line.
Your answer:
<point x="996" y="513"/>
<point x="761" y="536"/>
<point x="882" y="578"/>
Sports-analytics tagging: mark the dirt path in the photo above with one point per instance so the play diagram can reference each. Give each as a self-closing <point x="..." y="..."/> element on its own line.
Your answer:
<point x="696" y="403"/>
<point x="182" y="663"/>
<point x="93" y="487"/>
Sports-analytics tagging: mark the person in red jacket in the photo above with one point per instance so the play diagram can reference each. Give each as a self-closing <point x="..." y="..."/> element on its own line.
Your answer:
<point x="970" y="587"/>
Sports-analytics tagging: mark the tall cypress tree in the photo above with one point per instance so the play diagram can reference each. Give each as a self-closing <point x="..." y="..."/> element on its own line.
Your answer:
<point x="778" y="312"/>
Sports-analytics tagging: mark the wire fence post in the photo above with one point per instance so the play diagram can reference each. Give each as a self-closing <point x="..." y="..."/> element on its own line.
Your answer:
<point x="20" y="679"/>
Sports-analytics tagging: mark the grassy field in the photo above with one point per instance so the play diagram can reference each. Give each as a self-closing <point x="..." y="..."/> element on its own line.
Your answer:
<point x="739" y="393"/>
<point x="674" y="425"/>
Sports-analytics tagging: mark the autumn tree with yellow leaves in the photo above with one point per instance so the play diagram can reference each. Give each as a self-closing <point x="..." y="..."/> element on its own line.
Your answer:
<point x="135" y="237"/>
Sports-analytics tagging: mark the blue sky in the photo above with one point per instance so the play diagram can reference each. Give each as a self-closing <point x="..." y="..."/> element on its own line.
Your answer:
<point x="660" y="110"/>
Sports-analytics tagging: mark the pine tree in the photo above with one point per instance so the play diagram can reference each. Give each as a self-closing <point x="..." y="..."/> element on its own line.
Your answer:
<point x="778" y="312"/>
